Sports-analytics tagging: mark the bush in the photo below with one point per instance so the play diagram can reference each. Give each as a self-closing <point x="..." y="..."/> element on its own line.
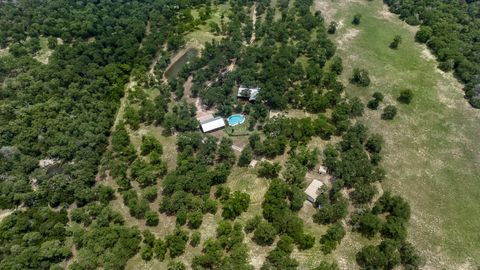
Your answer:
<point x="195" y="239"/>
<point x="406" y="96"/>
<point x="150" y="194"/>
<point x="146" y="253"/>
<point x="252" y="224"/>
<point x="378" y="96"/>
<point x="264" y="234"/>
<point x="373" y="104"/>
<point x="151" y="218"/>
<point x="389" y="112"/>
<point x="337" y="65"/>
<point x="356" y="19"/>
<point x="360" y="77"/>
<point x="332" y="28"/>
<point x="396" y="41"/>
<point x="195" y="219"/>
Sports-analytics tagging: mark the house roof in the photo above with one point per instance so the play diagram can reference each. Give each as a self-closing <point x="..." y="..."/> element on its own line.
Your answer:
<point x="312" y="189"/>
<point x="212" y="124"/>
<point x="250" y="93"/>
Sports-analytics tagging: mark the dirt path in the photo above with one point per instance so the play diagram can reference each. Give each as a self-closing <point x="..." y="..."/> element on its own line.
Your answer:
<point x="254" y="21"/>
<point x="4" y="214"/>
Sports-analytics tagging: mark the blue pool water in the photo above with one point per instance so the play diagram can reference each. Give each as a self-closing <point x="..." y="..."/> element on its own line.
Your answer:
<point x="235" y="119"/>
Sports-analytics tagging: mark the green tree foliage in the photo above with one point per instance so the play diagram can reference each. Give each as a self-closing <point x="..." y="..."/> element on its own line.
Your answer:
<point x="268" y="170"/>
<point x="225" y="252"/>
<point x="151" y="218"/>
<point x="160" y="249"/>
<point x="331" y="238"/>
<point x="406" y="96"/>
<point x="176" y="265"/>
<point x="235" y="205"/>
<point x="150" y="194"/>
<point x="396" y="206"/>
<point x="356" y="19"/>
<point x="245" y="157"/>
<point x="264" y="234"/>
<point x="150" y="144"/>
<point x="377" y="98"/>
<point x="332" y="27"/>
<point x="337" y="65"/>
<point x="383" y="256"/>
<point x="360" y="77"/>
<point x="252" y="224"/>
<point x="410" y="257"/>
<point x="367" y="224"/>
<point x="195" y="238"/>
<point x="389" y="112"/>
<point x="176" y="242"/>
<point x="33" y="239"/>
<point x="396" y="42"/>
<point x="327" y="266"/>
<point x="279" y="258"/>
<point x="195" y="220"/>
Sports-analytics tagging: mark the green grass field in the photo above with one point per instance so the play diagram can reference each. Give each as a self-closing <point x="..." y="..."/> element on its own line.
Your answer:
<point x="432" y="154"/>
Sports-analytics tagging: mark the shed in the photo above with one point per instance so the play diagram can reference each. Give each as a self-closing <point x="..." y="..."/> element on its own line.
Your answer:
<point x="246" y="92"/>
<point x="312" y="190"/>
<point x="253" y="163"/>
<point x="212" y="124"/>
<point x="322" y="170"/>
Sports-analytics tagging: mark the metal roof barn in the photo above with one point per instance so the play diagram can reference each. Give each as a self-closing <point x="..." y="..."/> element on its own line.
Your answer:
<point x="212" y="124"/>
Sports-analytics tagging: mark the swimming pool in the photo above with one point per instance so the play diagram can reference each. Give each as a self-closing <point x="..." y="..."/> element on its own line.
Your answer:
<point x="235" y="119"/>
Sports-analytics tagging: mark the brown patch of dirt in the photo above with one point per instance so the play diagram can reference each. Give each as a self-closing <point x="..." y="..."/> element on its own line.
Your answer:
<point x="347" y="37"/>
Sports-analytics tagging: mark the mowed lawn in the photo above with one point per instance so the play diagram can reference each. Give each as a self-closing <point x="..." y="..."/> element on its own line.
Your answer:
<point x="432" y="149"/>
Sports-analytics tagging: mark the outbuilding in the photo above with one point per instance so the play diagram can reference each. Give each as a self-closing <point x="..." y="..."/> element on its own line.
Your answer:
<point x="212" y="124"/>
<point x="312" y="190"/>
<point x="248" y="93"/>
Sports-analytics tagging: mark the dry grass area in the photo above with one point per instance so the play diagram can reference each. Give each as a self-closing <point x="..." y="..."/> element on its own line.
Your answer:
<point x="43" y="55"/>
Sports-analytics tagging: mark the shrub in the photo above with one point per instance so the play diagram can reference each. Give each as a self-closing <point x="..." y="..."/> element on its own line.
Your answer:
<point x="150" y="194"/>
<point x="373" y="104"/>
<point x="356" y="19"/>
<point x="406" y="96"/>
<point x="252" y="224"/>
<point x="360" y="77"/>
<point x="396" y="41"/>
<point x="151" y="218"/>
<point x="195" y="239"/>
<point x="332" y="28"/>
<point x="194" y="220"/>
<point x="389" y="112"/>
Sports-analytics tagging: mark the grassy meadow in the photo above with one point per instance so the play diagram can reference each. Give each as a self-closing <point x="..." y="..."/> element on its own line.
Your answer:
<point x="432" y="150"/>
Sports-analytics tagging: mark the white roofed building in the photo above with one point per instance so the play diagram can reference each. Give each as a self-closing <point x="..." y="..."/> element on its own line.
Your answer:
<point x="212" y="124"/>
<point x="250" y="93"/>
<point x="312" y="190"/>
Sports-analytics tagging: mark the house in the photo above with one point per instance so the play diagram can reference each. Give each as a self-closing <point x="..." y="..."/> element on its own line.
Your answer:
<point x="322" y="170"/>
<point x="312" y="190"/>
<point x="250" y="93"/>
<point x="212" y="124"/>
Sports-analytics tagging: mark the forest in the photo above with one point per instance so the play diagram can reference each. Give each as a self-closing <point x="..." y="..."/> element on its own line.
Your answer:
<point x="103" y="164"/>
